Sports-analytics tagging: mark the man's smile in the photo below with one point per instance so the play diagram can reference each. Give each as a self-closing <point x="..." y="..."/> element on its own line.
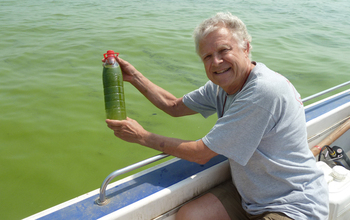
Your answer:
<point x="222" y="71"/>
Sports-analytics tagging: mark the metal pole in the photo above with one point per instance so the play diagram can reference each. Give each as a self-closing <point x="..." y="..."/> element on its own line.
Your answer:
<point x="102" y="199"/>
<point x="324" y="92"/>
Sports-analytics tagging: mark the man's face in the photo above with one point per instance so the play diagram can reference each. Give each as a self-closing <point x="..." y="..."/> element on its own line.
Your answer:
<point x="225" y="63"/>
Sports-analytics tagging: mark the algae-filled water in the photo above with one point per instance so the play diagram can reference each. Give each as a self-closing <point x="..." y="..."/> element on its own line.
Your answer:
<point x="113" y="87"/>
<point x="55" y="144"/>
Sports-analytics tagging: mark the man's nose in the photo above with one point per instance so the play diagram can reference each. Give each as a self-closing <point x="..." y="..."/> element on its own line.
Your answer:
<point x="217" y="59"/>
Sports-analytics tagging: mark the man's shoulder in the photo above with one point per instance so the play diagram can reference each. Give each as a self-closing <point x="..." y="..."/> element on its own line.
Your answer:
<point x="268" y="82"/>
<point x="267" y="88"/>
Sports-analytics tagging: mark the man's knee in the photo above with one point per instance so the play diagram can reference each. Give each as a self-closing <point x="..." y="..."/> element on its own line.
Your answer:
<point x="191" y="210"/>
<point x="205" y="207"/>
<point x="185" y="213"/>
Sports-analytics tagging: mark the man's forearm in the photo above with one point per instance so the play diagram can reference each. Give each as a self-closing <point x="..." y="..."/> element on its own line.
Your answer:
<point x="194" y="151"/>
<point x="161" y="98"/>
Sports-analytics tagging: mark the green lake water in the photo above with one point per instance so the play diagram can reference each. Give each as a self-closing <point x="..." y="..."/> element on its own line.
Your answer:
<point x="55" y="144"/>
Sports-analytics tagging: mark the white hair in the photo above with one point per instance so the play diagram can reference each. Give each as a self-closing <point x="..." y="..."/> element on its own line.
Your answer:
<point x="226" y="20"/>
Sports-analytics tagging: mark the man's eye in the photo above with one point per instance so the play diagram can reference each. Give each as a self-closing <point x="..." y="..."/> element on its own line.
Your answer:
<point x="224" y="50"/>
<point x="207" y="57"/>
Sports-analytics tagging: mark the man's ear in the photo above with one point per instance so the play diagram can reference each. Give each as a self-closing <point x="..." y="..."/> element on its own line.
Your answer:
<point x="247" y="47"/>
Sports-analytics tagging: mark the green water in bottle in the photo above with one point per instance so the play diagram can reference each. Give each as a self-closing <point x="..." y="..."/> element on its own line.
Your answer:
<point x="113" y="87"/>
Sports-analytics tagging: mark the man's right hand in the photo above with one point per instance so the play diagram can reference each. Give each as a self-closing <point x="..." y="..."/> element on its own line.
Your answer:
<point x="128" y="70"/>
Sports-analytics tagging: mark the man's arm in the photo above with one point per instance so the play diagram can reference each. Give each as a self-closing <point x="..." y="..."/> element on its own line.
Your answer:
<point x="131" y="131"/>
<point x="161" y="98"/>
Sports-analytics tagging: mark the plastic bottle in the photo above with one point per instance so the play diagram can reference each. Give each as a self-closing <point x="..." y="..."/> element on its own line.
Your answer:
<point x="113" y="87"/>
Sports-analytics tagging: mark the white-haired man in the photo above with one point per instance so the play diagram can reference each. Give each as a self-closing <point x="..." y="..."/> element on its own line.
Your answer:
<point x="261" y="129"/>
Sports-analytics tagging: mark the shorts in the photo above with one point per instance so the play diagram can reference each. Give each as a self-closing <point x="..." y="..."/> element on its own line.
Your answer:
<point x="232" y="201"/>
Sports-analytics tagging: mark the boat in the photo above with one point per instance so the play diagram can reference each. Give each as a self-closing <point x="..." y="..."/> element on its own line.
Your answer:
<point x="159" y="192"/>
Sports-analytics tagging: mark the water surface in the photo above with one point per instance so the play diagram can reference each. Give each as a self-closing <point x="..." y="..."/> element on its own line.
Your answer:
<point x="54" y="142"/>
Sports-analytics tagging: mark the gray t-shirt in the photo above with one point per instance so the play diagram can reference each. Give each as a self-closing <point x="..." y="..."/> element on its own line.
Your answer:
<point x="263" y="134"/>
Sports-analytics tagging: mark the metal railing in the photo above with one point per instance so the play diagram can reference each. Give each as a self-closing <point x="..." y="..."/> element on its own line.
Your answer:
<point x="102" y="200"/>
<point x="325" y="92"/>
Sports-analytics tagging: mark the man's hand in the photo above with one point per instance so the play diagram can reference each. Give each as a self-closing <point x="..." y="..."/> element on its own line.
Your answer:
<point x="128" y="130"/>
<point x="128" y="70"/>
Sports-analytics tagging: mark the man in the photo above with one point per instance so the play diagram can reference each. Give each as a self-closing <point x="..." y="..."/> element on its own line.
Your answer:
<point x="261" y="130"/>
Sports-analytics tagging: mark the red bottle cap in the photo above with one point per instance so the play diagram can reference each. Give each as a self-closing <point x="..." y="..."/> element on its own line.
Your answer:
<point x="110" y="53"/>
